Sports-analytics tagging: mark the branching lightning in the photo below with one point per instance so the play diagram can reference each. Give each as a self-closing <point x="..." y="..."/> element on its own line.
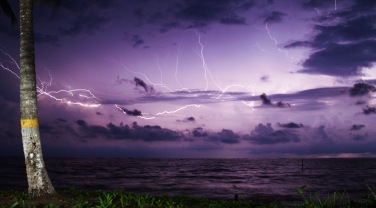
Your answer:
<point x="161" y="75"/>
<point x="205" y="66"/>
<point x="276" y="43"/>
<point x="143" y="75"/>
<point x="259" y="47"/>
<point x="176" y="69"/>
<point x="159" y="113"/>
<point x="12" y="61"/>
<point x="177" y="110"/>
<point x="75" y="96"/>
<point x="59" y="95"/>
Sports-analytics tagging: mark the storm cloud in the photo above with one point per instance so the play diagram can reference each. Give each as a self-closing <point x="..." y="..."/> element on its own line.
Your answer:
<point x="344" y="35"/>
<point x="141" y="83"/>
<point x="188" y="119"/>
<point x="357" y="127"/>
<point x="266" y="101"/>
<point x="369" y="110"/>
<point x="195" y="14"/>
<point x="145" y="133"/>
<point x="134" y="112"/>
<point x="199" y="132"/>
<point x="274" y="17"/>
<point x="360" y="89"/>
<point x="225" y="136"/>
<point x="266" y="135"/>
<point x="290" y="125"/>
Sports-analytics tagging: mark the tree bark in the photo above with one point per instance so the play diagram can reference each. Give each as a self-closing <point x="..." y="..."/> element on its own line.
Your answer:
<point x="39" y="184"/>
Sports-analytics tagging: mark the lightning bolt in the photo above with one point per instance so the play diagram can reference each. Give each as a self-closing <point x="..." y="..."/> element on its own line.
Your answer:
<point x="143" y="75"/>
<point x="176" y="69"/>
<point x="318" y="11"/>
<point x="11" y="61"/>
<point x="160" y="113"/>
<point x="161" y="74"/>
<point x="71" y="96"/>
<point x="276" y="43"/>
<point x="205" y="66"/>
<point x="43" y="87"/>
<point x="249" y="104"/>
<point x="259" y="47"/>
<point x="335" y="5"/>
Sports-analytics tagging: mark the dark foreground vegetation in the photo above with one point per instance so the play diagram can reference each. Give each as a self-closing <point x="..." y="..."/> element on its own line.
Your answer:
<point x="80" y="198"/>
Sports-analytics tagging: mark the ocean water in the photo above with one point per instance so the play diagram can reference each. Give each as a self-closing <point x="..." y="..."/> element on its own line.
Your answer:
<point x="260" y="179"/>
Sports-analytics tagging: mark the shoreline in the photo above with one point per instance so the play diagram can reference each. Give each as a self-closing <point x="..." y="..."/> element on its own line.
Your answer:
<point x="119" y="198"/>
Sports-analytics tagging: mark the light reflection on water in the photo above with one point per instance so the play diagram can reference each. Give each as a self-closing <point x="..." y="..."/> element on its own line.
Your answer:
<point x="211" y="178"/>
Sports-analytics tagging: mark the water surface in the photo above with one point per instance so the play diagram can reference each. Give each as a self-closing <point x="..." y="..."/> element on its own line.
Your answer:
<point x="267" y="179"/>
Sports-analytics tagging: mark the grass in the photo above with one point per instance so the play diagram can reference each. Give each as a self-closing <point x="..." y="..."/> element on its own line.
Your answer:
<point x="81" y="198"/>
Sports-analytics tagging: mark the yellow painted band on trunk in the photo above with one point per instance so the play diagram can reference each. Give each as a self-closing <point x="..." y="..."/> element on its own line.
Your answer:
<point x="29" y="123"/>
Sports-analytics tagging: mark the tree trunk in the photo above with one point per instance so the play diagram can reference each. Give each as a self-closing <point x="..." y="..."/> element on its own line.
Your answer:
<point x="38" y="181"/>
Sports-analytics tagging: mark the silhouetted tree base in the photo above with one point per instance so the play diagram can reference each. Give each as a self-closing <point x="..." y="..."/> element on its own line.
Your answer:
<point x="41" y="194"/>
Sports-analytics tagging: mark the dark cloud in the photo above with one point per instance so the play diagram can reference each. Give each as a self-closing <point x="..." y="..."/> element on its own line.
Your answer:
<point x="265" y="78"/>
<point x="134" y="112"/>
<point x="347" y="35"/>
<point x="81" y="7"/>
<point x="274" y="17"/>
<point x="357" y="127"/>
<point x="316" y="4"/>
<point x="360" y="102"/>
<point x="85" y="23"/>
<point x="188" y="119"/>
<point x="201" y="13"/>
<point x="98" y="113"/>
<point x="290" y="125"/>
<point x="266" y="135"/>
<point x="225" y="136"/>
<point x="353" y="56"/>
<point x="124" y="132"/>
<point x="199" y="132"/>
<point x="136" y="41"/>
<point x="281" y="104"/>
<point x="196" y="14"/>
<point x="103" y="4"/>
<point x="233" y="20"/>
<point x="141" y="83"/>
<point x="81" y="123"/>
<point x="360" y="89"/>
<point x="137" y="82"/>
<point x="296" y="44"/>
<point x="369" y="110"/>
<point x="266" y="101"/>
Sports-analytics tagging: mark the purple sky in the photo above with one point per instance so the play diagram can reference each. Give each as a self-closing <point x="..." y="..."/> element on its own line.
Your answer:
<point x="214" y="78"/>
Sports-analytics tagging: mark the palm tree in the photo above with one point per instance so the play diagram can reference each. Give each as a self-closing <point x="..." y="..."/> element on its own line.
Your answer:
<point x="37" y="177"/>
<point x="39" y="184"/>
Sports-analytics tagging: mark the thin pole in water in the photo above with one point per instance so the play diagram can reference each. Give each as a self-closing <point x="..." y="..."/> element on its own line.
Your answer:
<point x="302" y="165"/>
